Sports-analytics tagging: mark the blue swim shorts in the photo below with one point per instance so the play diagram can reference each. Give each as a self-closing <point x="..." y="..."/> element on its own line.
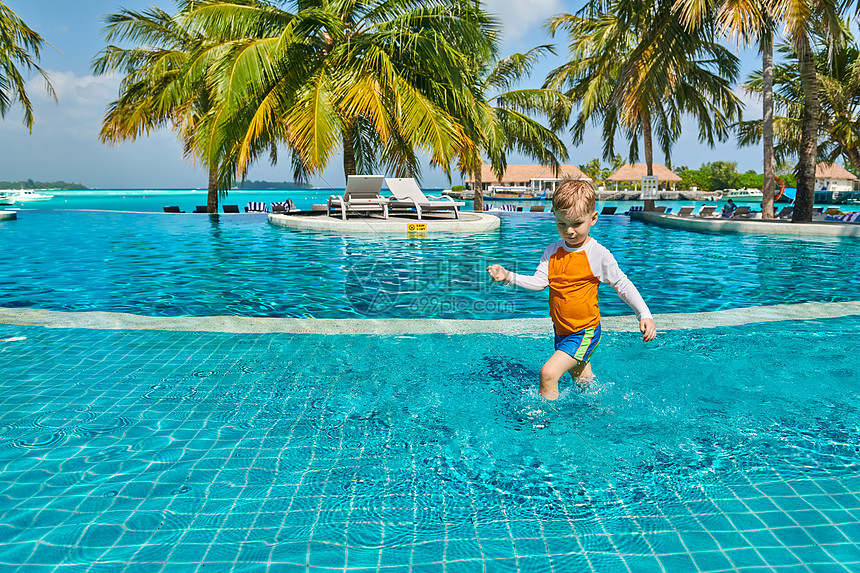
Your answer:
<point x="580" y="345"/>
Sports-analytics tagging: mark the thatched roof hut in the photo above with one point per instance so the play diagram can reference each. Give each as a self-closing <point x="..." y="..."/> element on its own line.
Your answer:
<point x="832" y="181"/>
<point x="636" y="171"/>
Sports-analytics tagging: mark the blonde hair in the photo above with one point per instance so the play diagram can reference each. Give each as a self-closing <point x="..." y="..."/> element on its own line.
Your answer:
<point x="575" y="195"/>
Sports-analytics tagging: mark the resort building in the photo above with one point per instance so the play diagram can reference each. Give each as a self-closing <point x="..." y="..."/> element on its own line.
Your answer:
<point x="631" y="174"/>
<point x="541" y="177"/>
<point x="833" y="183"/>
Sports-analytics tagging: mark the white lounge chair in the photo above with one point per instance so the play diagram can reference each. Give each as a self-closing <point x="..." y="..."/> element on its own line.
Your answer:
<point x="407" y="194"/>
<point x="361" y="194"/>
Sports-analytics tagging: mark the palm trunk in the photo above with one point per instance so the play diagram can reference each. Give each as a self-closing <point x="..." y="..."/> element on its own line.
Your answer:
<point x="767" y="125"/>
<point x="212" y="196"/>
<point x="853" y="156"/>
<point x="479" y="189"/>
<point x="649" y="146"/>
<point x="809" y="134"/>
<point x="348" y="151"/>
<point x="648" y="204"/>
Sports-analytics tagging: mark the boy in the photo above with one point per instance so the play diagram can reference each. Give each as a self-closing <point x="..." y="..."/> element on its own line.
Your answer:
<point x="573" y="268"/>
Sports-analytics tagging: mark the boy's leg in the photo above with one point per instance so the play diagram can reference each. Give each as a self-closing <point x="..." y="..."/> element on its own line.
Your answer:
<point x="582" y="374"/>
<point x="554" y="368"/>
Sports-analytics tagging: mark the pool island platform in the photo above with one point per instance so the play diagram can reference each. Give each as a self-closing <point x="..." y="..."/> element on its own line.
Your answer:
<point x="8" y="215"/>
<point x="747" y="226"/>
<point x="399" y="223"/>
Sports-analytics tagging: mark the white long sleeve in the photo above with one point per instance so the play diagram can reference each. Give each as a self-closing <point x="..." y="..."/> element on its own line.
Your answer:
<point x="608" y="272"/>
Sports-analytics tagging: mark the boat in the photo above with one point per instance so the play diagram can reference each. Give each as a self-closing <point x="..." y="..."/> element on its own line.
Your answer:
<point x="743" y="194"/>
<point x="6" y="198"/>
<point x="464" y="195"/>
<point x="514" y="193"/>
<point x="23" y="195"/>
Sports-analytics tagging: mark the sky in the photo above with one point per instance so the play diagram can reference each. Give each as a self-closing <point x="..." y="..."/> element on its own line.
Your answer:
<point x="64" y="143"/>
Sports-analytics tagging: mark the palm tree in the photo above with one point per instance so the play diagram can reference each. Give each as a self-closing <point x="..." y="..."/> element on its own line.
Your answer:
<point x="20" y="46"/>
<point x="749" y="21"/>
<point x="634" y="66"/>
<point x="163" y="86"/>
<point x="802" y="21"/>
<point x="839" y="125"/>
<point x="498" y="119"/>
<point x="370" y="77"/>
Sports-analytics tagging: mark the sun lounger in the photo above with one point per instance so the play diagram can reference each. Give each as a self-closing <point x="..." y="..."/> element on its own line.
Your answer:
<point x="280" y="207"/>
<point x="172" y="209"/>
<point x="201" y="209"/>
<point x="408" y="195"/>
<point x="361" y="194"/>
<point x="708" y="211"/>
<point x="741" y="212"/>
<point x="256" y="207"/>
<point x="785" y="213"/>
<point x="608" y="210"/>
<point x="537" y="208"/>
<point x="660" y="209"/>
<point x="635" y="208"/>
<point x="231" y="208"/>
<point x="685" y="211"/>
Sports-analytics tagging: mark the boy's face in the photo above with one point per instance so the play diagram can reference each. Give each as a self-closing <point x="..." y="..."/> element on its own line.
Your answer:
<point x="574" y="227"/>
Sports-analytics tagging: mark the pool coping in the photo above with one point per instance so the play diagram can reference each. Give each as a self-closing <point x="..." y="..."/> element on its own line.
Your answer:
<point x="475" y="223"/>
<point x="535" y="327"/>
<point x="747" y="226"/>
<point x="8" y="215"/>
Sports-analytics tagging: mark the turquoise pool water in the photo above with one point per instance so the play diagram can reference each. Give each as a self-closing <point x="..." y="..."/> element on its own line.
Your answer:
<point x="127" y="450"/>
<point x="174" y="265"/>
<point x="711" y="449"/>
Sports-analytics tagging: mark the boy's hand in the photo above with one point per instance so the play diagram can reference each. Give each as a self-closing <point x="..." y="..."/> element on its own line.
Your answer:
<point x="648" y="329"/>
<point x="498" y="272"/>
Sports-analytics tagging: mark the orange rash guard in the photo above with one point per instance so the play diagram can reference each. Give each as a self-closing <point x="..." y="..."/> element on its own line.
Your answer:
<point x="573" y="276"/>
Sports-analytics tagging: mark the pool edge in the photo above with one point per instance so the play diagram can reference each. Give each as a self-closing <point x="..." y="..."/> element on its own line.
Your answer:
<point x="537" y="327"/>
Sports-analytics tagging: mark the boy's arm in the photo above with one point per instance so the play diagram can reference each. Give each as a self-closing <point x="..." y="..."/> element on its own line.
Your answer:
<point x="611" y="274"/>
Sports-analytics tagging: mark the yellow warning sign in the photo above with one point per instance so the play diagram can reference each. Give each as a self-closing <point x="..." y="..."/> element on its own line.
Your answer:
<point x="416" y="227"/>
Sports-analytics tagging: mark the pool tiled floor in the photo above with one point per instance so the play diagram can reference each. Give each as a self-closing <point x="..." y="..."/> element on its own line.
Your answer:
<point x="139" y="450"/>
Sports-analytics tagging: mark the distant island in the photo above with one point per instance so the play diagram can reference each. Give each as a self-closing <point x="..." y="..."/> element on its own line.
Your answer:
<point x="271" y="185"/>
<point x="30" y="184"/>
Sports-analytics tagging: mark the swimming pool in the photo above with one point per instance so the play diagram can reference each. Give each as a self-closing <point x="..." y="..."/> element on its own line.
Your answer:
<point x="173" y="265"/>
<point x="126" y="445"/>
<point x="127" y="450"/>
